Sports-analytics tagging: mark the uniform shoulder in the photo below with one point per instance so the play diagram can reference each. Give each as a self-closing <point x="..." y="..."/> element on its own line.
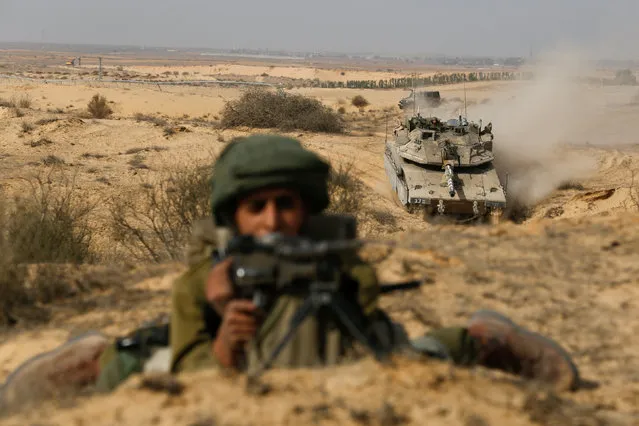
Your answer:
<point x="201" y="243"/>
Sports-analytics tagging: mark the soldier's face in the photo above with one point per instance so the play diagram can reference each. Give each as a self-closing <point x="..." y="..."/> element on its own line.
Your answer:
<point x="270" y="210"/>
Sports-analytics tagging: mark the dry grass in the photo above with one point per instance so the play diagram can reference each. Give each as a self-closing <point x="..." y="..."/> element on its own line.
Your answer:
<point x="50" y="225"/>
<point x="383" y="218"/>
<point x="359" y="101"/>
<point x="156" y="121"/>
<point x="264" y="109"/>
<point x="52" y="160"/>
<point x="168" y="131"/>
<point x="154" y="224"/>
<point x="40" y="142"/>
<point x="93" y="155"/>
<point x="344" y="189"/>
<point x="634" y="191"/>
<point x="43" y="226"/>
<point x="12" y="276"/>
<point x="26" y="127"/>
<point x="137" y="162"/>
<point x="44" y="121"/>
<point x="568" y="185"/>
<point x="98" y="107"/>
<point x="137" y="150"/>
<point x="23" y="101"/>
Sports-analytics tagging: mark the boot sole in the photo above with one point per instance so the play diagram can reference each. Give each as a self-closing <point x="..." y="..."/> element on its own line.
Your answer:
<point x="496" y="321"/>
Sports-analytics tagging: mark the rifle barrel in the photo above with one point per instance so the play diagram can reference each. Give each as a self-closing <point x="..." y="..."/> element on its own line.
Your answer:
<point x="389" y="288"/>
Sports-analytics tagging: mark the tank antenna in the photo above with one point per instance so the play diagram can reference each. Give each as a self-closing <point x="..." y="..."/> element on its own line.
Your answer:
<point x="465" y="108"/>
<point x="386" y="132"/>
<point x="413" y="85"/>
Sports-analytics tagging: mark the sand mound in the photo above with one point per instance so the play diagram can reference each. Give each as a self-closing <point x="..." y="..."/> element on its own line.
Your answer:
<point x="573" y="280"/>
<point x="364" y="393"/>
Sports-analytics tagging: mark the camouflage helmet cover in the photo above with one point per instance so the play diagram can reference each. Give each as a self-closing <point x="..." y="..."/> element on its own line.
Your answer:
<point x="262" y="161"/>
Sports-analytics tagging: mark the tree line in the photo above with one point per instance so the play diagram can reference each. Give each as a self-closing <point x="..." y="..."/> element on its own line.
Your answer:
<point x="433" y="80"/>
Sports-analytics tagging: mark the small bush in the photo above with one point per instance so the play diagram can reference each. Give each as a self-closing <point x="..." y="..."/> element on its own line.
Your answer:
<point x="40" y="142"/>
<point x="359" y="101"/>
<point x="23" y="101"/>
<point x="265" y="109"/>
<point x="344" y="190"/>
<point x="13" y="294"/>
<point x="98" y="107"/>
<point x="156" y="222"/>
<point x="52" y="160"/>
<point x="44" y="121"/>
<point x="384" y="218"/>
<point x="341" y="110"/>
<point x="168" y="131"/>
<point x="137" y="162"/>
<point x="157" y="121"/>
<point x="5" y="103"/>
<point x="27" y="127"/>
<point x="92" y="155"/>
<point x="155" y="148"/>
<point x="50" y="225"/>
<point x="569" y="184"/>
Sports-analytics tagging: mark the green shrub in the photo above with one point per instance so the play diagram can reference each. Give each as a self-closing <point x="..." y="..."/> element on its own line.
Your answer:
<point x="265" y="109"/>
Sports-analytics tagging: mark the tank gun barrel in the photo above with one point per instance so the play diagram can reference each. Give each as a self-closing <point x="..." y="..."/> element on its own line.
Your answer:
<point x="448" y="173"/>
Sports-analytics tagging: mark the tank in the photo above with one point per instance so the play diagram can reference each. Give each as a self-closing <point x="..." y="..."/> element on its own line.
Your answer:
<point x="427" y="98"/>
<point x="445" y="168"/>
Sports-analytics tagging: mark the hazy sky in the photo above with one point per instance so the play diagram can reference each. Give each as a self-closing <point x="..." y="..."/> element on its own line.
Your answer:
<point x="456" y="27"/>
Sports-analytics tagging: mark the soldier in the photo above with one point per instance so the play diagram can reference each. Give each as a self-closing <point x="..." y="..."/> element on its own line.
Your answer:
<point x="265" y="184"/>
<point x="279" y="186"/>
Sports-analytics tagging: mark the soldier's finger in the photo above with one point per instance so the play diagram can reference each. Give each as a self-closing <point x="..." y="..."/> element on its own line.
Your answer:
<point x="240" y="319"/>
<point x="242" y="331"/>
<point x="243" y="306"/>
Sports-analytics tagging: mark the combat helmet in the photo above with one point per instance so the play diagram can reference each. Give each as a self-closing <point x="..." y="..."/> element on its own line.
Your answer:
<point x="262" y="161"/>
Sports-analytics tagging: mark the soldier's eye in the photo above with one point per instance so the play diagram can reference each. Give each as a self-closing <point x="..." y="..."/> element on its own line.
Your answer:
<point x="257" y="205"/>
<point x="285" y="202"/>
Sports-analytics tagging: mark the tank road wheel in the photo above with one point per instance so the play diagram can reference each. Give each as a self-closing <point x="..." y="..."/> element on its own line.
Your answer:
<point x="495" y="216"/>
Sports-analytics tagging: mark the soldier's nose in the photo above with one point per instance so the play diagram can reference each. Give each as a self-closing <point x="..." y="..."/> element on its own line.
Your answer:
<point x="270" y="217"/>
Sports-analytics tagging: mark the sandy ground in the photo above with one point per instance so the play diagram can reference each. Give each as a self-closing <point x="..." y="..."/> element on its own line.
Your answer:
<point x="569" y="270"/>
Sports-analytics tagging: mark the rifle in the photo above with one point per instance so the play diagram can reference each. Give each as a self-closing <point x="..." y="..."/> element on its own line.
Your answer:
<point x="265" y="268"/>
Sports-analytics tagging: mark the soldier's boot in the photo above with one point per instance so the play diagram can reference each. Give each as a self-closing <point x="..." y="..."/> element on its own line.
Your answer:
<point x="504" y="345"/>
<point x="67" y="368"/>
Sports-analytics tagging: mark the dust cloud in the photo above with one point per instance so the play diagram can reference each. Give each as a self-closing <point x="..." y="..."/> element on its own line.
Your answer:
<point x="536" y="121"/>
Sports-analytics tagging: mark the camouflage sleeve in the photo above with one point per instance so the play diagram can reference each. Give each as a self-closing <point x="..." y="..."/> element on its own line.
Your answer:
<point x="366" y="277"/>
<point x="190" y="341"/>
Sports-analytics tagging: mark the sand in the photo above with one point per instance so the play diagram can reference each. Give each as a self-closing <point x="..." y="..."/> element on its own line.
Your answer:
<point x="569" y="270"/>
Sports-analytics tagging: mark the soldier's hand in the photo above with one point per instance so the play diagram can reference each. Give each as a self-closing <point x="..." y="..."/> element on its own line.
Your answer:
<point x="219" y="290"/>
<point x="239" y="325"/>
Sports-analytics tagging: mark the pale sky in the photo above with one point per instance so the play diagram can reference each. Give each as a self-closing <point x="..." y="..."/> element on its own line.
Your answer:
<point x="607" y="28"/>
